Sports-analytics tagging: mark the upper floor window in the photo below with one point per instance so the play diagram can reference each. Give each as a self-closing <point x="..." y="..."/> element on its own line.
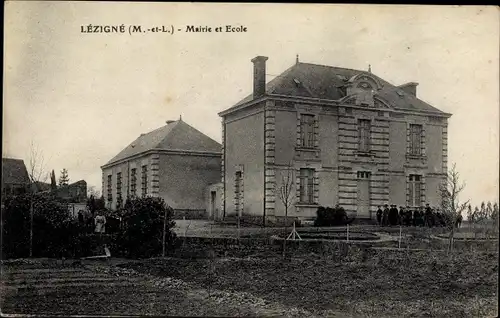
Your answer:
<point x="364" y="127"/>
<point x="415" y="139"/>
<point x="307" y="130"/>
<point x="307" y="185"/>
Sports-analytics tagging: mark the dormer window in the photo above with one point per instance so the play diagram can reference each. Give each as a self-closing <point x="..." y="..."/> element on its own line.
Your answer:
<point x="365" y="86"/>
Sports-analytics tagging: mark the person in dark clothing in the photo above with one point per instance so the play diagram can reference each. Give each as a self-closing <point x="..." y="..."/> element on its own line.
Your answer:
<point x="379" y="216"/>
<point x="385" y="215"/>
<point x="421" y="213"/>
<point x="409" y="216"/>
<point x="393" y="215"/>
<point x="81" y="221"/>
<point x="458" y="222"/>
<point x="401" y="215"/>
<point x="415" y="217"/>
<point x="428" y="215"/>
<point x="439" y="218"/>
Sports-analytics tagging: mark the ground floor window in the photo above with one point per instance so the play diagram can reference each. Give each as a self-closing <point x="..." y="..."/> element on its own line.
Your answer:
<point x="238" y="192"/>
<point x="415" y="190"/>
<point x="307" y="185"/>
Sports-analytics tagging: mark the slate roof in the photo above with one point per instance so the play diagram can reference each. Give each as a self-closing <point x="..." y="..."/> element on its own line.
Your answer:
<point x="14" y="171"/>
<point x="176" y="135"/>
<point x="325" y="82"/>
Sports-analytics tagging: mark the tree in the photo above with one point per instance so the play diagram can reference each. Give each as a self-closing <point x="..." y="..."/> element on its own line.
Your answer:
<point x="36" y="175"/>
<point x="470" y="215"/>
<point x="53" y="184"/>
<point x="63" y="178"/>
<point x="95" y="204"/>
<point x="285" y="194"/>
<point x="93" y="192"/>
<point x="144" y="221"/>
<point x="494" y="216"/>
<point x="451" y="206"/>
<point x="53" y="227"/>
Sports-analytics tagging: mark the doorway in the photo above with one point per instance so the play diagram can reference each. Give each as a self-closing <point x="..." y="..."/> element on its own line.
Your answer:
<point x="213" y="211"/>
<point x="363" y="185"/>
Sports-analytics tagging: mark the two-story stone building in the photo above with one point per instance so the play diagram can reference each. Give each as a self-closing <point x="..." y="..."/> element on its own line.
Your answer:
<point x="176" y="162"/>
<point x="348" y="137"/>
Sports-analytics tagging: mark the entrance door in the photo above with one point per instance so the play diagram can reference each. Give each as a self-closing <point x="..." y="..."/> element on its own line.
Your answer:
<point x="212" y="205"/>
<point x="363" y="194"/>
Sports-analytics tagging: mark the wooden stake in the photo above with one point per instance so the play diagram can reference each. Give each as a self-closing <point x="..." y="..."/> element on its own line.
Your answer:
<point x="400" y="230"/>
<point x="347" y="233"/>
<point x="164" y="231"/>
<point x="31" y="226"/>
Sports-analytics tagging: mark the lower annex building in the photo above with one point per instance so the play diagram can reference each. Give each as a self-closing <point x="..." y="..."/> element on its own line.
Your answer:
<point x="175" y="162"/>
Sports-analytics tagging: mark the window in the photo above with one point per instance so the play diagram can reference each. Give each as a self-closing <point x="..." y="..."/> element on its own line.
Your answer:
<point x="238" y="193"/>
<point x="415" y="190"/>
<point x="144" y="180"/>
<point x="415" y="140"/>
<point x="307" y="130"/>
<point x="118" y="189"/>
<point x="364" y="174"/>
<point x="133" y="182"/>
<point x="364" y="135"/>
<point x="110" y="190"/>
<point x="307" y="186"/>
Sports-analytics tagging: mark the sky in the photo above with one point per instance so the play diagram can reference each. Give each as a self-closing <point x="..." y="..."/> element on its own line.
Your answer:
<point x="80" y="98"/>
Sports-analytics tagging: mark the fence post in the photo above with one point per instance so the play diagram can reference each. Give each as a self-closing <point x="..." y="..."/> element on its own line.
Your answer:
<point x="400" y="230"/>
<point x="164" y="230"/>
<point x="347" y="233"/>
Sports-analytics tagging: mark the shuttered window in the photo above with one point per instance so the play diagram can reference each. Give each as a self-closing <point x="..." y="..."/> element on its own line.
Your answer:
<point x="307" y="186"/>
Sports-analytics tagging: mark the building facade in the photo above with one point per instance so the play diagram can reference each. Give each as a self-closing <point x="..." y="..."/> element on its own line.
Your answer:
<point x="340" y="135"/>
<point x="175" y="162"/>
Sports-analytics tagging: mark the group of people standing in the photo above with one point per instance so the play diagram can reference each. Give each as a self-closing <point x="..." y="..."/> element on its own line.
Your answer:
<point x="412" y="216"/>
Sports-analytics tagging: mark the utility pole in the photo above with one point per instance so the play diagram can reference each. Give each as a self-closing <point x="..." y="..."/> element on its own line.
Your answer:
<point x="164" y="231"/>
<point x="31" y="226"/>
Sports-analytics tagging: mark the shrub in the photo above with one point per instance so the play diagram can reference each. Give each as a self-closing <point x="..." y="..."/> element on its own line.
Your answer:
<point x="326" y="216"/>
<point x="141" y="234"/>
<point x="53" y="228"/>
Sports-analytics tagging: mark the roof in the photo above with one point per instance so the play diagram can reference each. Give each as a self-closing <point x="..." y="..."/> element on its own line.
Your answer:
<point x="42" y="186"/>
<point x="176" y="135"/>
<point x="325" y="82"/>
<point x="14" y="171"/>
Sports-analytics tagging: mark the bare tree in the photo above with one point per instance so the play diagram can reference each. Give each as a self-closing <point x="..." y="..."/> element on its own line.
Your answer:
<point x="452" y="207"/>
<point x="93" y="192"/>
<point x="36" y="167"/>
<point x="284" y="191"/>
<point x="36" y="174"/>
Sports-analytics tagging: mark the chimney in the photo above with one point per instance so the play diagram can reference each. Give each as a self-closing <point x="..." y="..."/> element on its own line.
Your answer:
<point x="410" y="88"/>
<point x="259" y="76"/>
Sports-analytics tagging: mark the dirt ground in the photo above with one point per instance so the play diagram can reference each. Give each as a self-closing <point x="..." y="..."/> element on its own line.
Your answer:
<point x="385" y="283"/>
<point x="397" y="285"/>
<point x="409" y="286"/>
